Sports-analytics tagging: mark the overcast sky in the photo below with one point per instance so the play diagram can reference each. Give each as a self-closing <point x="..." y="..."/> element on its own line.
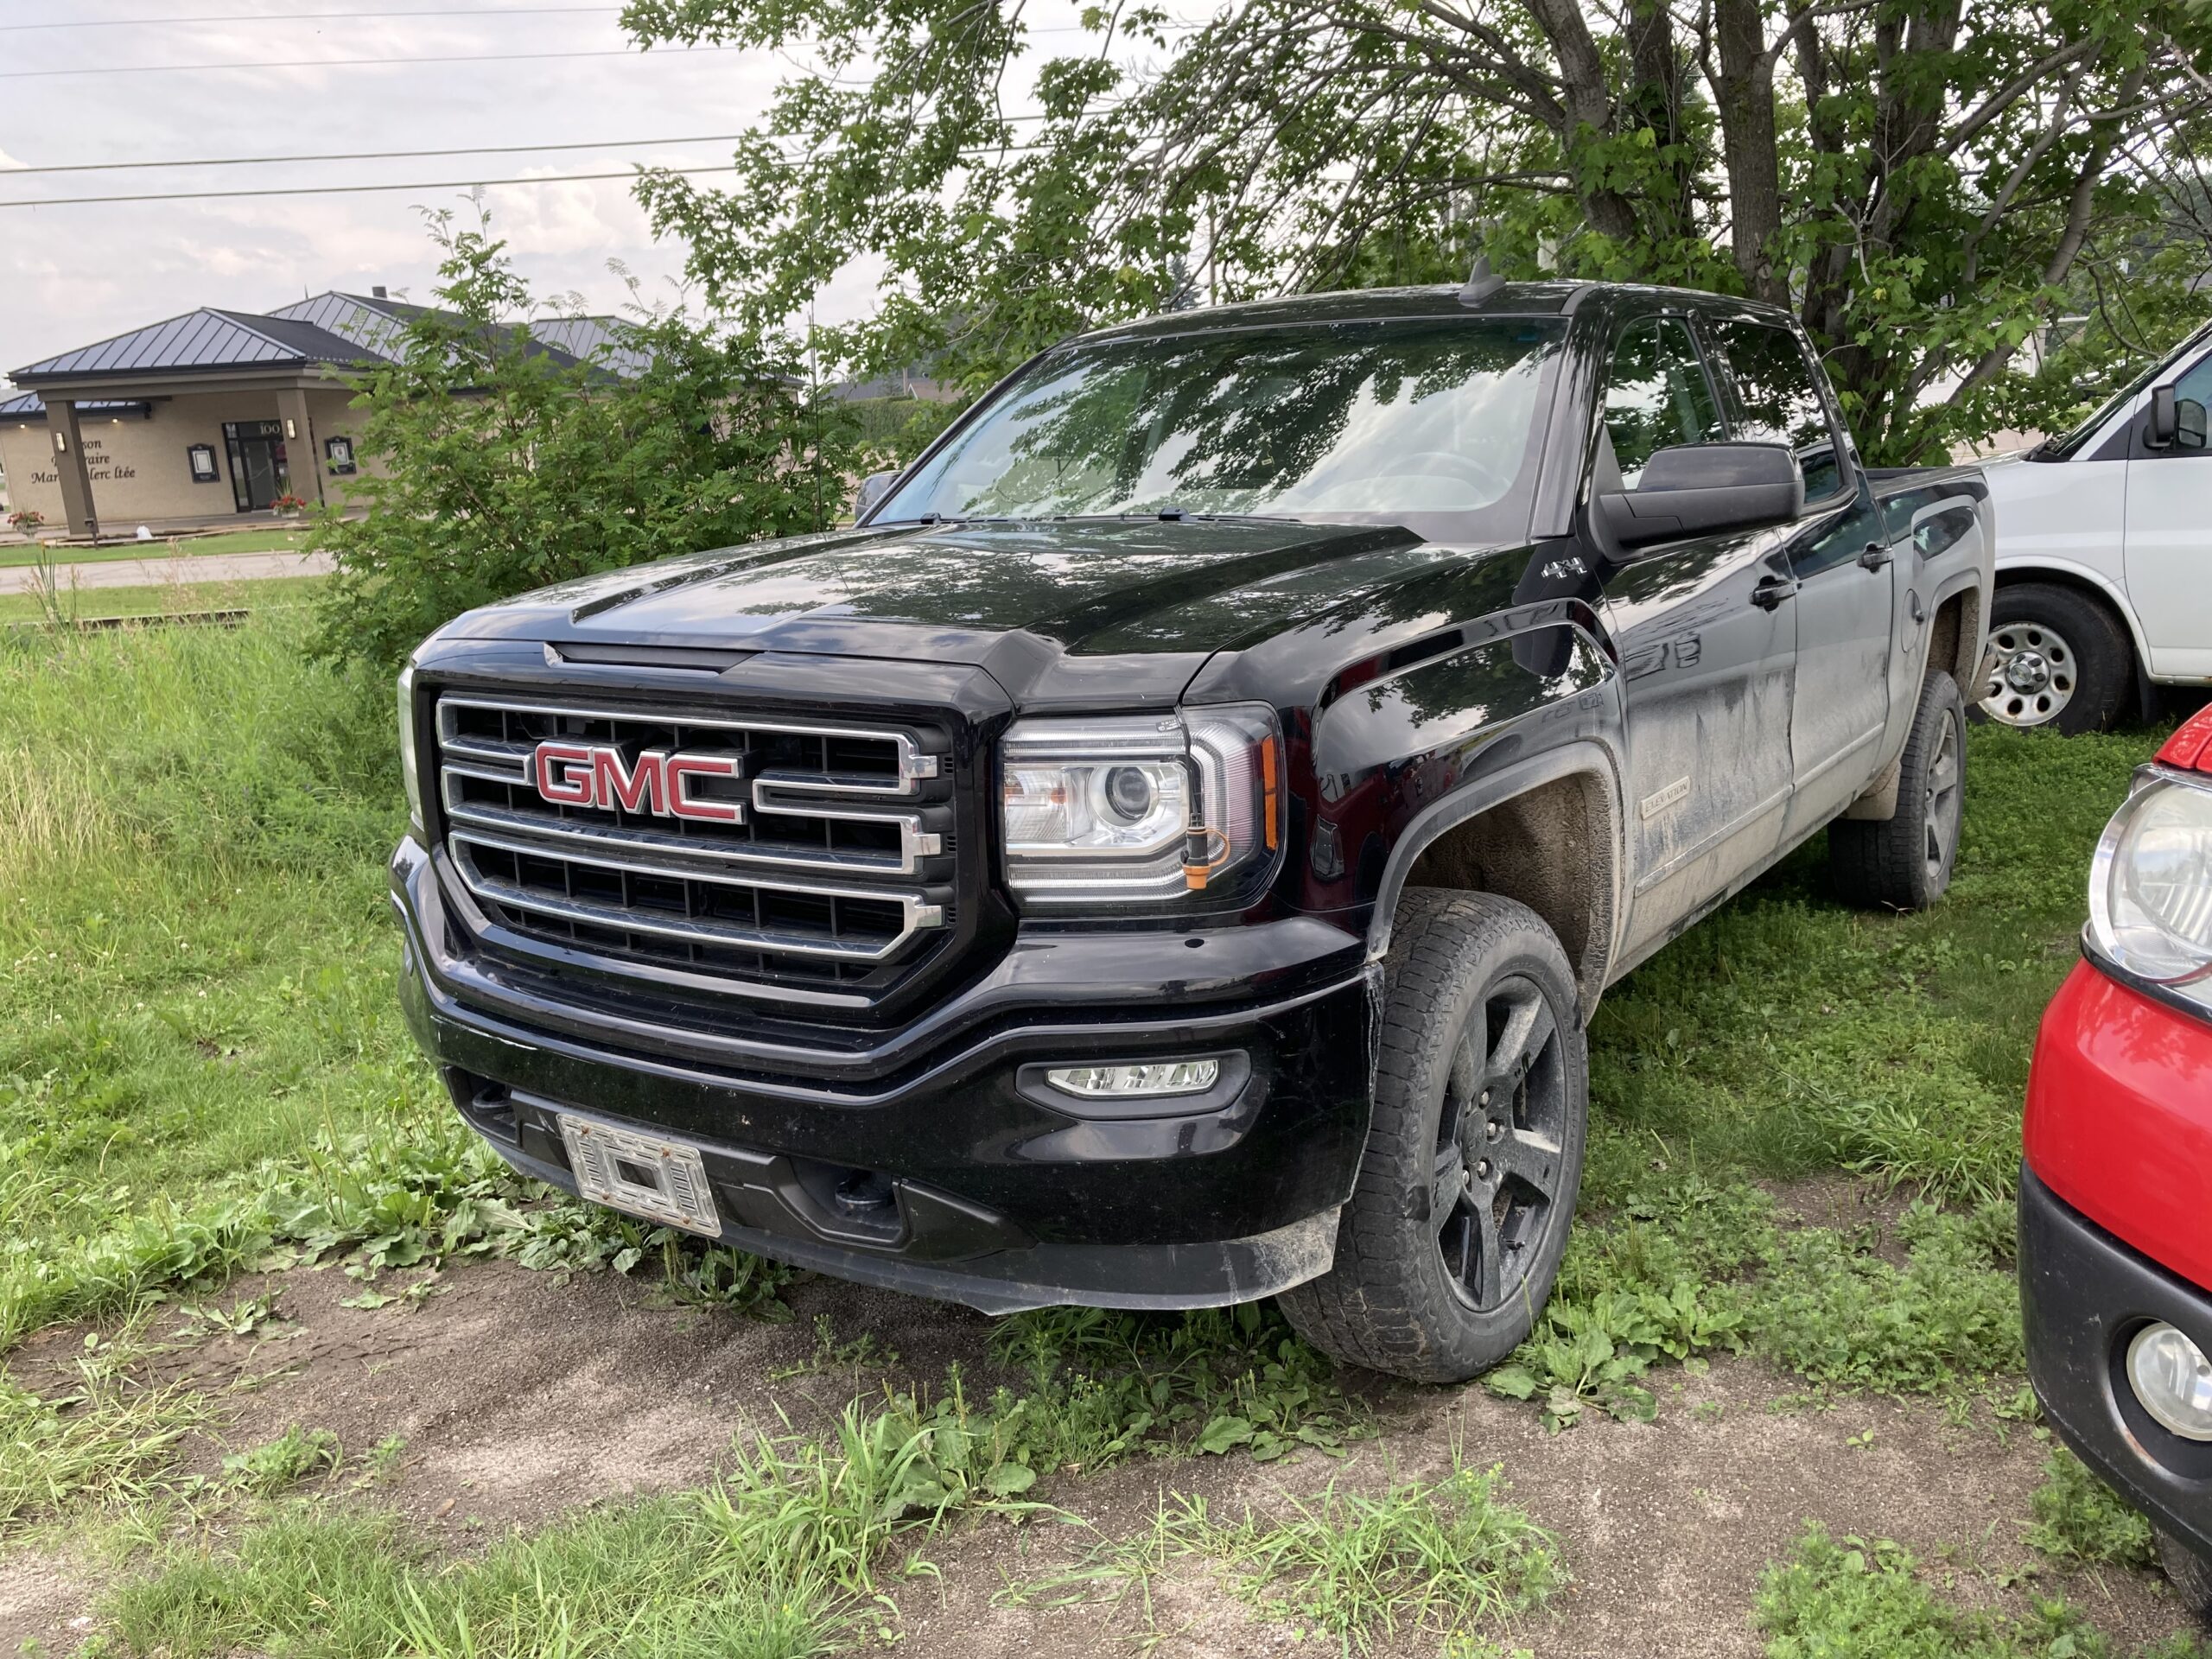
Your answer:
<point x="71" y="275"/>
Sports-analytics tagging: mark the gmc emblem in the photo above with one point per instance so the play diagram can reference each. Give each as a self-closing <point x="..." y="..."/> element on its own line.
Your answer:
<point x="597" y="774"/>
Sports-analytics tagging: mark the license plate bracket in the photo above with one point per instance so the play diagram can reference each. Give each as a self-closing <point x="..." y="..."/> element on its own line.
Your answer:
<point x="643" y="1175"/>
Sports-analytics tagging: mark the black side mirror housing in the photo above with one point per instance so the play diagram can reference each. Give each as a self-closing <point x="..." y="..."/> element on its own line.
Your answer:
<point x="2164" y="425"/>
<point x="872" y="491"/>
<point x="2190" y="423"/>
<point x="1704" y="489"/>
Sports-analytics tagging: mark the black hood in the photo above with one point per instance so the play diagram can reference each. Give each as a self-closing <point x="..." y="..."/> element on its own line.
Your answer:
<point x="1050" y="609"/>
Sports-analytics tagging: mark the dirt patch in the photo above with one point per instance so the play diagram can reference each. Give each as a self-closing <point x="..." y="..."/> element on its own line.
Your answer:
<point x="520" y="1396"/>
<point x="1854" y="1205"/>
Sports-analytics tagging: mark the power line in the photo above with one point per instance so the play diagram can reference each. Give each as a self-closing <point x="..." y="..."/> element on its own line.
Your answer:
<point x="302" y="16"/>
<point x="351" y="189"/>
<point x="438" y="184"/>
<point x="370" y="155"/>
<point x="337" y="63"/>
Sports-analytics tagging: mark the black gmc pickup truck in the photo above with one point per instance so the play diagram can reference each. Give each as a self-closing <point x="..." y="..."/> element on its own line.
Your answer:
<point x="1167" y="853"/>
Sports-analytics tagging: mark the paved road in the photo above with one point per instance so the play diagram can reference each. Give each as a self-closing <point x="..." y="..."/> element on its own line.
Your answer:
<point x="154" y="573"/>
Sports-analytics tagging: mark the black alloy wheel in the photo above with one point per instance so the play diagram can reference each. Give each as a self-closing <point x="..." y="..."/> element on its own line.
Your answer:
<point x="1499" y="1142"/>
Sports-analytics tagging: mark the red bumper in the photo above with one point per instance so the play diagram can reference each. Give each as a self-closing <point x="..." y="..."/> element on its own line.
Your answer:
<point x="2119" y="1119"/>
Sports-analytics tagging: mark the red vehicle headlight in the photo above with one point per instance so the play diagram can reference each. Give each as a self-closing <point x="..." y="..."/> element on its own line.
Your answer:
<point x="2151" y="886"/>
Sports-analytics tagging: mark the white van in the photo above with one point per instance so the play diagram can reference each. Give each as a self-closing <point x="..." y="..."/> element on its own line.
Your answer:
<point x="2104" y="556"/>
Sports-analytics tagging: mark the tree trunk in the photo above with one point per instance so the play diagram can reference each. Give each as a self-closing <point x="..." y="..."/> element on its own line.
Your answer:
<point x="1589" y="103"/>
<point x="1746" y="93"/>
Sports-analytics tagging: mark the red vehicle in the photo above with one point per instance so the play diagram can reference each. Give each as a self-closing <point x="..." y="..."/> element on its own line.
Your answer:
<point x="2116" y="1196"/>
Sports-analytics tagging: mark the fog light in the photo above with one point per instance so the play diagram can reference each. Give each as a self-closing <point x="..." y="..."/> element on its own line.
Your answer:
<point x="1136" y="1082"/>
<point x="2173" y="1379"/>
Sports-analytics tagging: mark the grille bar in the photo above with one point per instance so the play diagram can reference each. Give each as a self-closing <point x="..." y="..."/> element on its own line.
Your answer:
<point x="915" y="843"/>
<point x="913" y="767"/>
<point x="915" y="912"/>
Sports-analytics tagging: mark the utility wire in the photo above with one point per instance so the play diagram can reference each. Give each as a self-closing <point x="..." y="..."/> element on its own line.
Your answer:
<point x="352" y="189"/>
<point x="302" y="16"/>
<point x="370" y="155"/>
<point x="437" y="184"/>
<point x="341" y="63"/>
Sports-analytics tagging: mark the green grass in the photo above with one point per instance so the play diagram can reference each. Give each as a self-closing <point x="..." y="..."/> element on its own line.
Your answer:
<point x="269" y="540"/>
<point x="166" y="598"/>
<point x="2078" y="1517"/>
<point x="1860" y="1598"/>
<point x="1435" y="1560"/>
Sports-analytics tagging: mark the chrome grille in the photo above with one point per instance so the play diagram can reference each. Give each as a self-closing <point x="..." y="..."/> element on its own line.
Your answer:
<point x="829" y="859"/>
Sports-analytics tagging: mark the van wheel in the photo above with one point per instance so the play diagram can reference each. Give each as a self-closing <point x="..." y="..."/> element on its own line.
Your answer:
<point x="1906" y="862"/>
<point x="1453" y="1236"/>
<point x="2189" y="1574"/>
<point x="2056" y="659"/>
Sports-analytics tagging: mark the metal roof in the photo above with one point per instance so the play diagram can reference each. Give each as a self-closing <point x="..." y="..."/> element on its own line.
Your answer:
<point x="343" y="330"/>
<point x="29" y="406"/>
<point x="205" y="339"/>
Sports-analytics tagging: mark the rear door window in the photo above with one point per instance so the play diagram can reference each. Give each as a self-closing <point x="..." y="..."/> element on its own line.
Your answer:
<point x="1774" y="397"/>
<point x="1657" y="396"/>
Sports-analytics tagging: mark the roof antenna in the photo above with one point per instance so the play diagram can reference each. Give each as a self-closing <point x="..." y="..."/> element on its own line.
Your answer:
<point x="1482" y="282"/>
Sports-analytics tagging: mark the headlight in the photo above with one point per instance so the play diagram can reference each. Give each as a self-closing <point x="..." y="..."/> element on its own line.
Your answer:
<point x="1146" y="808"/>
<point x="409" y="774"/>
<point x="2151" y="887"/>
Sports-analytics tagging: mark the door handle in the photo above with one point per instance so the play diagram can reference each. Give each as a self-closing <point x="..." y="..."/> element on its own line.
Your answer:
<point x="1876" y="555"/>
<point x="1772" y="590"/>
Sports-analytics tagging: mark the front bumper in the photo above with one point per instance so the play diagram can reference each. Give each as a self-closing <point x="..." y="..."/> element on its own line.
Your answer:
<point x="2083" y="1295"/>
<point x="1001" y="1200"/>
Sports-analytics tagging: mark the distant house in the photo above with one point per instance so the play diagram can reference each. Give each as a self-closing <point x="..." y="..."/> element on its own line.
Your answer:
<point x="215" y="415"/>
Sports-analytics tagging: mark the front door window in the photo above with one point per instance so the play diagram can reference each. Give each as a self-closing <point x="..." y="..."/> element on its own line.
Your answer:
<point x="258" y="475"/>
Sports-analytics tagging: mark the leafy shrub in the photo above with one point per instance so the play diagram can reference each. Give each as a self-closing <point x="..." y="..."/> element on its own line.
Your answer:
<point x="494" y="469"/>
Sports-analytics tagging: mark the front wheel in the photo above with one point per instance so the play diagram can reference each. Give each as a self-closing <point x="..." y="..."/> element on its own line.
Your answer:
<point x="1453" y="1236"/>
<point x="2056" y="658"/>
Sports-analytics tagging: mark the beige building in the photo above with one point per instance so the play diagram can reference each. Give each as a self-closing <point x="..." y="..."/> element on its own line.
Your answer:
<point x="213" y="417"/>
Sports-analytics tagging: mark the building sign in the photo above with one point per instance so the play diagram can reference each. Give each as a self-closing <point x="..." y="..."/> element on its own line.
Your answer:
<point x="340" y="452"/>
<point x="99" y="467"/>
<point x="203" y="463"/>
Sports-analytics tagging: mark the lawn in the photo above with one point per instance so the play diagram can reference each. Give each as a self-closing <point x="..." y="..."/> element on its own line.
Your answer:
<point x="203" y="1062"/>
<point x="164" y="599"/>
<point x="271" y="539"/>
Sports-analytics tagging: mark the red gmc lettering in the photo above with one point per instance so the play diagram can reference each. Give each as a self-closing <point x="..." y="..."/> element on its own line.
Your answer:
<point x="555" y="783"/>
<point x="681" y="767"/>
<point x="640" y="790"/>
<point x="598" y="775"/>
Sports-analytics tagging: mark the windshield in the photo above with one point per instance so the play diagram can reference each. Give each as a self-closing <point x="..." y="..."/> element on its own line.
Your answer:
<point x="1429" y="424"/>
<point x="2067" y="448"/>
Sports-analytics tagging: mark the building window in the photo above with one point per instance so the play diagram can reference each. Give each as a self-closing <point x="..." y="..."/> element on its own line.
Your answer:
<point x="203" y="457"/>
<point x="338" y="451"/>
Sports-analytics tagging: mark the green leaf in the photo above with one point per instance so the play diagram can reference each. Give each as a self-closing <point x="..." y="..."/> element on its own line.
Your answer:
<point x="1223" y="1433"/>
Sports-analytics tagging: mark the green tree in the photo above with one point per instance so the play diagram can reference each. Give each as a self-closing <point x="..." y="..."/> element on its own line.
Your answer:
<point x="1931" y="184"/>
<point x="495" y="466"/>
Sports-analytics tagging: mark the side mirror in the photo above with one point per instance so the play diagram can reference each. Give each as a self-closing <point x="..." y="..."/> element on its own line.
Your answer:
<point x="2190" y="423"/>
<point x="2165" y="419"/>
<point x="1703" y="489"/>
<point x="871" y="492"/>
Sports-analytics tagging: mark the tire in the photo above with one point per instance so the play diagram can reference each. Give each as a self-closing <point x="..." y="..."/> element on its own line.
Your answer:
<point x="2189" y="1574"/>
<point x="2057" y="658"/>
<point x="1905" y="862"/>
<point x="1452" y="1236"/>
